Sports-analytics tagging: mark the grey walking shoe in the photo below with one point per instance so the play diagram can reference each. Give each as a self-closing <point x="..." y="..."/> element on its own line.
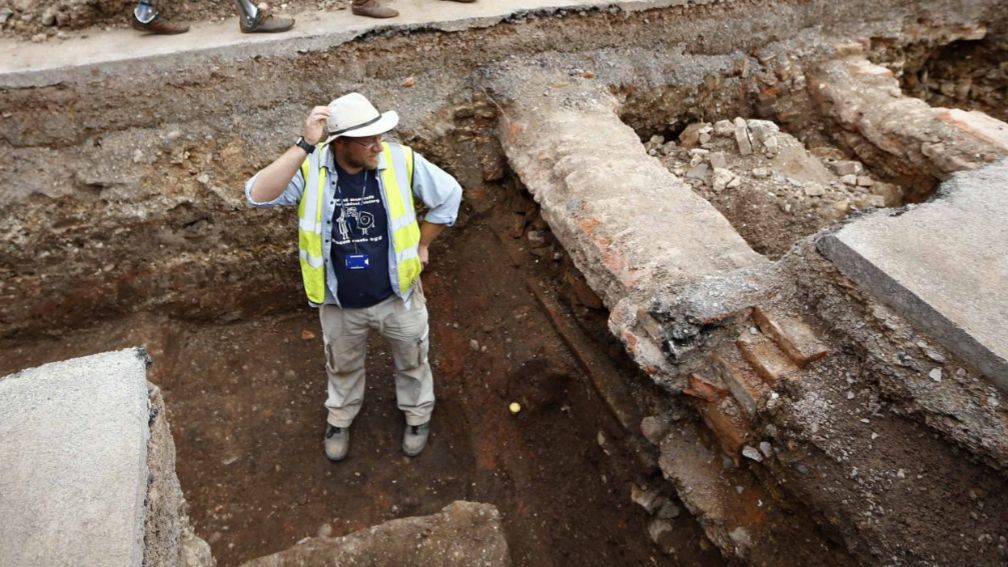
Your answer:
<point x="372" y="9"/>
<point x="415" y="439"/>
<point x="337" y="442"/>
<point x="266" y="22"/>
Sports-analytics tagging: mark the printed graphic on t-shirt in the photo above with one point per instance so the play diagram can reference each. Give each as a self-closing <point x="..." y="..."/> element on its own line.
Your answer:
<point x="354" y="224"/>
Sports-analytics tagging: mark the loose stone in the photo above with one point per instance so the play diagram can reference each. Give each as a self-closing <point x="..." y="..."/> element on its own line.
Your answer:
<point x="742" y="137"/>
<point x="814" y="190"/>
<point x="724" y="128"/>
<point x="699" y="171"/>
<point x="750" y="452"/>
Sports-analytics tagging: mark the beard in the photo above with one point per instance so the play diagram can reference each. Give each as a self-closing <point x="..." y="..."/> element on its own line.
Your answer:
<point x="368" y="163"/>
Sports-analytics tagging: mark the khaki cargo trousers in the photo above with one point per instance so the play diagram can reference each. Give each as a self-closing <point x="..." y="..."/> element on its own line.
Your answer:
<point x="345" y="333"/>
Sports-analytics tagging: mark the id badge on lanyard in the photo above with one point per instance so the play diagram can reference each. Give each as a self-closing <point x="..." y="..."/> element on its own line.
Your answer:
<point x="357" y="262"/>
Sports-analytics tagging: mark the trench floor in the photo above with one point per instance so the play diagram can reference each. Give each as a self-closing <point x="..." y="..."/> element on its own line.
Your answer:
<point x="245" y="406"/>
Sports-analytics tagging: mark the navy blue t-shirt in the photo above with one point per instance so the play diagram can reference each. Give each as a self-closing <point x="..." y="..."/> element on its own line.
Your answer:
<point x="360" y="226"/>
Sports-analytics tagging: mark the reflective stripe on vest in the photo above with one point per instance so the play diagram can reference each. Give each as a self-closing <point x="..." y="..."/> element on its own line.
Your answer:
<point x="310" y="226"/>
<point x="397" y="180"/>
<point x="397" y="190"/>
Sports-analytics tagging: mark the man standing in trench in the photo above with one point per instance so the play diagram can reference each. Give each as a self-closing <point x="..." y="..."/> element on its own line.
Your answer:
<point x="362" y="251"/>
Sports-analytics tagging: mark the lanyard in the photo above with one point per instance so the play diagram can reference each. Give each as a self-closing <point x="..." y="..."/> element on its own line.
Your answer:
<point x="343" y="214"/>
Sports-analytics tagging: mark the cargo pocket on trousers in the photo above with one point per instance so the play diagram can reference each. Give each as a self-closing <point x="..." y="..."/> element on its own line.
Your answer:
<point x="340" y="362"/>
<point x="330" y="359"/>
<point x="422" y="348"/>
<point x="413" y="354"/>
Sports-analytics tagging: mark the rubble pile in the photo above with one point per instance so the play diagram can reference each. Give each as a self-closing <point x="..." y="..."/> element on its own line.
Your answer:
<point x="772" y="189"/>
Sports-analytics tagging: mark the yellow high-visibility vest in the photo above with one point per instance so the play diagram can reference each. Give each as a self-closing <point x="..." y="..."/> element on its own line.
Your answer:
<point x="396" y="182"/>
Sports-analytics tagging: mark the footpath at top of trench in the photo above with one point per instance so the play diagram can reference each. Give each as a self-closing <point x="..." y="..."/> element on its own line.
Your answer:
<point x="92" y="54"/>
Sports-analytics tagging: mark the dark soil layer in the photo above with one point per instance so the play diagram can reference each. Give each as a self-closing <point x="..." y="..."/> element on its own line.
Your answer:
<point x="245" y="405"/>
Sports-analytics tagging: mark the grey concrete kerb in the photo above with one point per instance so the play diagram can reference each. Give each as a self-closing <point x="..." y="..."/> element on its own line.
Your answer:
<point x="103" y="54"/>
<point x="941" y="265"/>
<point x="73" y="462"/>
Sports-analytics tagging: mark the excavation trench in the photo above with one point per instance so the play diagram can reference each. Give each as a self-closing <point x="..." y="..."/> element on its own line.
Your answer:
<point x="244" y="400"/>
<point x="132" y="230"/>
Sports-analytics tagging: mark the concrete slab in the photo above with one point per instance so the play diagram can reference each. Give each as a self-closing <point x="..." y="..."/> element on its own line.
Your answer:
<point x="96" y="54"/>
<point x="73" y="462"/>
<point x="941" y="265"/>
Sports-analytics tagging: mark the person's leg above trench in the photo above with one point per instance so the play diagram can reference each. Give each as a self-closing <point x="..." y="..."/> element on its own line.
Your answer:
<point x="345" y="334"/>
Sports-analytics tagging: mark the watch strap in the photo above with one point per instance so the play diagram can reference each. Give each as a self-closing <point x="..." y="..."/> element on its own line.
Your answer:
<point x="304" y="145"/>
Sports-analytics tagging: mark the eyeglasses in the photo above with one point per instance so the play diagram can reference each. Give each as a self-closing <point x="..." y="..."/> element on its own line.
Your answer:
<point x="367" y="142"/>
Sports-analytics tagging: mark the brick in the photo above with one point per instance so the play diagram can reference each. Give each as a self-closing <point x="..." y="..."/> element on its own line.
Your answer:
<point x="725" y="421"/>
<point x="765" y="358"/>
<point x="743" y="383"/>
<point x="792" y="336"/>
<point x="705" y="388"/>
<point x="848" y="49"/>
<point x="585" y="294"/>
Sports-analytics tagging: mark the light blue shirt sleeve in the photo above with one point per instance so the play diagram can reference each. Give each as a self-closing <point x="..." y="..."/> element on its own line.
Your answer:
<point x="437" y="189"/>
<point x="290" y="197"/>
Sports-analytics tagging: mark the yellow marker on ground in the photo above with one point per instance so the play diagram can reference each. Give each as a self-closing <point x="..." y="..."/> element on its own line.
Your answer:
<point x="515" y="407"/>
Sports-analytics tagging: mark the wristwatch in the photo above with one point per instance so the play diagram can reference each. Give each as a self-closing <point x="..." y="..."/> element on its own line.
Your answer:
<point x="301" y="143"/>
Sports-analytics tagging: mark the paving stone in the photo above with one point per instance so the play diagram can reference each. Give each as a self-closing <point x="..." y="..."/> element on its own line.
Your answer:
<point x="940" y="265"/>
<point x="73" y="476"/>
<point x="792" y="336"/>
